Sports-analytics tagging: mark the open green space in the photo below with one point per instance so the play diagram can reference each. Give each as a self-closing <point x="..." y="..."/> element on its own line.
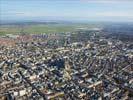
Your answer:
<point x="38" y="29"/>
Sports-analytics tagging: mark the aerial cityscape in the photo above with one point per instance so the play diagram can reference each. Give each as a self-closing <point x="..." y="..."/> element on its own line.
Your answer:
<point x="49" y="55"/>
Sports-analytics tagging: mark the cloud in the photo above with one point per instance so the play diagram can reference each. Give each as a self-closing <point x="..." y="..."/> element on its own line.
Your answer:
<point x="116" y="14"/>
<point x="106" y="14"/>
<point x="22" y="13"/>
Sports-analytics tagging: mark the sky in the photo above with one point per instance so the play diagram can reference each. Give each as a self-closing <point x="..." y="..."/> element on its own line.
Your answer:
<point x="69" y="10"/>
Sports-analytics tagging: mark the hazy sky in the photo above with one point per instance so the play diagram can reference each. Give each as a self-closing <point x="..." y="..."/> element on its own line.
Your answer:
<point x="86" y="10"/>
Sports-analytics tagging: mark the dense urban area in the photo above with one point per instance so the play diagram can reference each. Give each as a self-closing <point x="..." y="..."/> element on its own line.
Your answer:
<point x="87" y="64"/>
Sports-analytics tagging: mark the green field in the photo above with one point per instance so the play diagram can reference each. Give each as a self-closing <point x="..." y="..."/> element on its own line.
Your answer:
<point x="37" y="29"/>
